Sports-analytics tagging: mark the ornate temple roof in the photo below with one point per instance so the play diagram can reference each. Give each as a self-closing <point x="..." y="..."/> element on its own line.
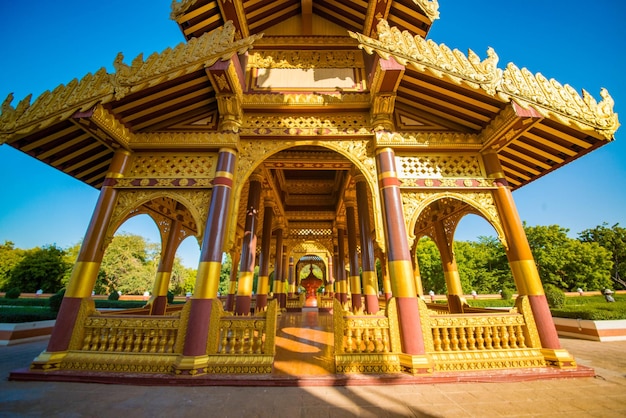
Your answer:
<point x="362" y="57"/>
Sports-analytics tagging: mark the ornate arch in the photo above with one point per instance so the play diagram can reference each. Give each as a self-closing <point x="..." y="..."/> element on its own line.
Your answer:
<point x="309" y="259"/>
<point x="253" y="152"/>
<point x="134" y="202"/>
<point x="480" y="203"/>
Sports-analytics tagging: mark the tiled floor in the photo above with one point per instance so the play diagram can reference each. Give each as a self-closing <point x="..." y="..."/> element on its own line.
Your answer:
<point x="600" y="396"/>
<point x="304" y="344"/>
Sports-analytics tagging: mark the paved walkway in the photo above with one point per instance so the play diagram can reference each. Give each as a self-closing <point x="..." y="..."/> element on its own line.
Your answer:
<point x="600" y="396"/>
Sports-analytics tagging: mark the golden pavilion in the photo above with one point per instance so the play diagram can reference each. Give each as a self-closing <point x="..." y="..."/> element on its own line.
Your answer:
<point x="306" y="137"/>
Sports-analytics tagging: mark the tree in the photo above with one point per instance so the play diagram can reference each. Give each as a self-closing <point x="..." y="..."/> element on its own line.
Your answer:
<point x="183" y="279"/>
<point x="568" y="263"/>
<point x="614" y="240"/>
<point x="40" y="268"/>
<point x="227" y="267"/>
<point x="430" y="267"/>
<point x="9" y="258"/>
<point x="129" y="265"/>
<point x="482" y="265"/>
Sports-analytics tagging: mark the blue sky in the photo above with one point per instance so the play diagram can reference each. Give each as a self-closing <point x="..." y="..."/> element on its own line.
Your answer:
<point x="577" y="42"/>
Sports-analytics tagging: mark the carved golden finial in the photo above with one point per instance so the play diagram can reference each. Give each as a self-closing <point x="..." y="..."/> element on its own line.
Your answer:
<point x="430" y="7"/>
<point x="179" y="8"/>
<point x="6" y="105"/>
<point x="121" y="68"/>
<point x="10" y="115"/>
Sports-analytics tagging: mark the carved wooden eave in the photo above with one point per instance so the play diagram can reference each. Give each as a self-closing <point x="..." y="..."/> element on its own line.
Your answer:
<point x="102" y="88"/>
<point x="76" y="127"/>
<point x="551" y="99"/>
<point x="535" y="125"/>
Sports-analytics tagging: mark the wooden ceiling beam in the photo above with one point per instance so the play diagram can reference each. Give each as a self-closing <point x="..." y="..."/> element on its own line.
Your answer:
<point x="47" y="139"/>
<point x="376" y="10"/>
<point x="60" y="146"/>
<point x="550" y="144"/>
<point x="449" y="93"/>
<point x="443" y="114"/>
<point x="147" y="100"/>
<point x="234" y="11"/>
<point x="167" y="116"/>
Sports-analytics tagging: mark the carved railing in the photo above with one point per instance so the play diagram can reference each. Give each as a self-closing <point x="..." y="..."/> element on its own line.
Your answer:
<point x="242" y="344"/>
<point x="325" y="302"/>
<point x="105" y="342"/>
<point x="295" y="303"/>
<point x="130" y="334"/>
<point x="366" y="343"/>
<point x="482" y="340"/>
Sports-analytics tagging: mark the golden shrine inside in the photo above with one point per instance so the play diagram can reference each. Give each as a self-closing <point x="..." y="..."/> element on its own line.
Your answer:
<point x="301" y="135"/>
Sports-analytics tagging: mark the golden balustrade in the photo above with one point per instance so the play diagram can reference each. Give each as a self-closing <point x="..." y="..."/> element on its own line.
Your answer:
<point x="295" y="303"/>
<point x="130" y="334"/>
<point x="366" y="343"/>
<point x="153" y="344"/>
<point x="242" y="344"/>
<point x="325" y="302"/>
<point x="485" y="339"/>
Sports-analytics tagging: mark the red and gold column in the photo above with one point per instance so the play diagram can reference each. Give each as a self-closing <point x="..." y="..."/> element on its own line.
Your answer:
<point x="353" y="257"/>
<point x="523" y="266"/>
<point x="85" y="270"/>
<point x="450" y="269"/>
<point x="331" y="277"/>
<point x="229" y="305"/>
<point x="370" y="281"/>
<point x="399" y="264"/>
<point x="194" y="358"/>
<point x="277" y="284"/>
<point x="248" y="249"/>
<point x="416" y="273"/>
<point x="386" y="280"/>
<point x="158" y="301"/>
<point x="291" y="278"/>
<point x="284" y="284"/>
<point x="263" y="283"/>
<point x="342" y="286"/>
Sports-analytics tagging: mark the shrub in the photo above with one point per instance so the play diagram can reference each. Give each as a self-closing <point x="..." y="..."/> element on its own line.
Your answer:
<point x="506" y="294"/>
<point x="555" y="296"/>
<point x="13" y="293"/>
<point x="114" y="295"/>
<point x="170" y="297"/>
<point x="55" y="300"/>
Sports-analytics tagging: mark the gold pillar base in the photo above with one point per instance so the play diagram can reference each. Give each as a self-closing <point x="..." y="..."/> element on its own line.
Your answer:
<point x="48" y="361"/>
<point x="560" y="358"/>
<point x="191" y="365"/>
<point x="417" y="364"/>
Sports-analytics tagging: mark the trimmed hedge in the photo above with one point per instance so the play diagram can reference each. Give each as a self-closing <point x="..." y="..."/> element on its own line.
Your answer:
<point x="17" y="315"/>
<point x="119" y="304"/>
<point x="491" y="303"/>
<point x="593" y="308"/>
<point x="24" y="302"/>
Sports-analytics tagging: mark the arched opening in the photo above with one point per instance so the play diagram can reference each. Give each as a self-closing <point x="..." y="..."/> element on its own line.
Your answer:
<point x="459" y="268"/>
<point x="481" y="259"/>
<point x="130" y="259"/>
